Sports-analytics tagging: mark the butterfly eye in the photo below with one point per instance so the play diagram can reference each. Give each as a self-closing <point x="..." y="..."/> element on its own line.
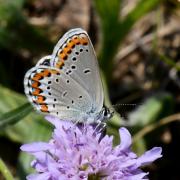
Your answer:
<point x="105" y="112"/>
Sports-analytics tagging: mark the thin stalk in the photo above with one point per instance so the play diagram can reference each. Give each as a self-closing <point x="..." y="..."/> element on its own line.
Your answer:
<point x="5" y="171"/>
<point x="152" y="127"/>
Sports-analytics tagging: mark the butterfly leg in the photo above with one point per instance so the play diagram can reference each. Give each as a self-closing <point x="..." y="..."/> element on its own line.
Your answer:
<point x="99" y="127"/>
<point x="75" y="124"/>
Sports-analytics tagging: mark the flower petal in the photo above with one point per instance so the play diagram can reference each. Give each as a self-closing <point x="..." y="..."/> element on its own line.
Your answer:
<point x="59" y="123"/>
<point x="149" y="156"/>
<point x="42" y="176"/>
<point x="35" y="147"/>
<point x="138" y="176"/>
<point x="40" y="167"/>
<point x="126" y="140"/>
<point x="76" y="152"/>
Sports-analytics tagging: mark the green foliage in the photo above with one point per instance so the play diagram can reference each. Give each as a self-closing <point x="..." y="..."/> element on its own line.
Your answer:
<point x="13" y="108"/>
<point x="16" y="33"/>
<point x="19" y="123"/>
<point x="15" y="115"/>
<point x="151" y="111"/>
<point x="169" y="61"/>
<point x="115" y="29"/>
<point x="5" y="171"/>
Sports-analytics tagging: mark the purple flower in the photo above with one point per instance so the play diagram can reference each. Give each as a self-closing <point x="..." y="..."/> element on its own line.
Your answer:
<point x="79" y="153"/>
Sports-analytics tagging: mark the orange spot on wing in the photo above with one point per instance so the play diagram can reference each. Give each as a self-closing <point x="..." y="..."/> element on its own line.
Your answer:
<point x="46" y="73"/>
<point x="35" y="84"/>
<point x="67" y="50"/>
<point x="44" y="108"/>
<point x="59" y="64"/>
<point x="40" y="99"/>
<point x="62" y="55"/>
<point x="71" y="44"/>
<point x="76" y="40"/>
<point x="36" y="92"/>
<point x="84" y="41"/>
<point x="37" y="77"/>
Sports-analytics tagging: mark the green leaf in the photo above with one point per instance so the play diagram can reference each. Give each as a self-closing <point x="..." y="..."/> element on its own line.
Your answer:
<point x="169" y="61"/>
<point x="154" y="108"/>
<point x="110" y="8"/>
<point x="5" y="171"/>
<point x="114" y="29"/>
<point x="142" y="8"/>
<point x="109" y="14"/>
<point x="22" y="130"/>
<point x="139" y="146"/>
<point x="147" y="114"/>
<point x="40" y="132"/>
<point x="10" y="100"/>
<point x="32" y="128"/>
<point x="15" y="115"/>
<point x="15" y="31"/>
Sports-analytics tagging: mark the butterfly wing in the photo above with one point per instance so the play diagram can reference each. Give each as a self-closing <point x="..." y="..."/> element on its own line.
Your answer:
<point x="67" y="84"/>
<point x="54" y="92"/>
<point x="75" y="56"/>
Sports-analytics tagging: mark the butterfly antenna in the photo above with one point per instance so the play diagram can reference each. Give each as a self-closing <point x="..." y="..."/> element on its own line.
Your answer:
<point x="124" y="107"/>
<point x="123" y="104"/>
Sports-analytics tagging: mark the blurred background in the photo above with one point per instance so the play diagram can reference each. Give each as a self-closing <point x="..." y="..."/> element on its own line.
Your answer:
<point x="138" y="47"/>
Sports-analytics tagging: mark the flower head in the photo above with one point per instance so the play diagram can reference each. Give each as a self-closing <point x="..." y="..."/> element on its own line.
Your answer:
<point x="79" y="153"/>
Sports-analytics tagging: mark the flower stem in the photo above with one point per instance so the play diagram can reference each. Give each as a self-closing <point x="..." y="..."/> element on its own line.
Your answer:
<point x="5" y="171"/>
<point x="162" y="122"/>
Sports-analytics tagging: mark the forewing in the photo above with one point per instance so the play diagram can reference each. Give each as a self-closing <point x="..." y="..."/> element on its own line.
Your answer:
<point x="75" y="56"/>
<point x="54" y="92"/>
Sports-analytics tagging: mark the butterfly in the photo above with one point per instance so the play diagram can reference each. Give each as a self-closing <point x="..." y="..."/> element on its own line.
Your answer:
<point x="67" y="84"/>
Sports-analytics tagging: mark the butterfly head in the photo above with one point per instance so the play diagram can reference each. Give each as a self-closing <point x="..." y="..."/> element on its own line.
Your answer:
<point x="105" y="114"/>
<point x="99" y="117"/>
